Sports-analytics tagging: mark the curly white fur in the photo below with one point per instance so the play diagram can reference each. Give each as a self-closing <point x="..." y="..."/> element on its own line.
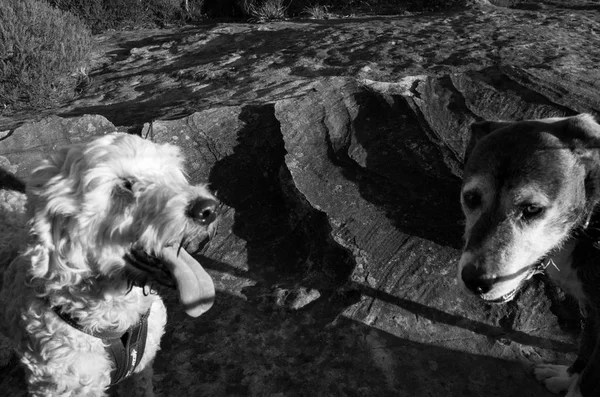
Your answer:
<point x="88" y="207"/>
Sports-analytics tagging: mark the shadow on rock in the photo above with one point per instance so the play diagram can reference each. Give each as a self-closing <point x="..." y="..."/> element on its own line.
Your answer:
<point x="398" y="168"/>
<point x="238" y="349"/>
<point x="492" y="331"/>
<point x="288" y="242"/>
<point x="11" y="182"/>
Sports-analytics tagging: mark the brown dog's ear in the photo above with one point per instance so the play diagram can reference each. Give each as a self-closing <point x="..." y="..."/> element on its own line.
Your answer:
<point x="480" y="129"/>
<point x="586" y="132"/>
<point x="581" y="134"/>
<point x="582" y="128"/>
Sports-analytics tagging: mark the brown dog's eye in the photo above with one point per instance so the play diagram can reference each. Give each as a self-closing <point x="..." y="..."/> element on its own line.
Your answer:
<point x="472" y="200"/>
<point x="531" y="211"/>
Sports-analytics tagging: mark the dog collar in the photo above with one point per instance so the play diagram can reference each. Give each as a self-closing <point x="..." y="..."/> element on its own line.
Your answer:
<point x="125" y="348"/>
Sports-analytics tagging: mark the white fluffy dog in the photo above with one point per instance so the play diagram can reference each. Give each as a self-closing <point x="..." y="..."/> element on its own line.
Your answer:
<point x="106" y="220"/>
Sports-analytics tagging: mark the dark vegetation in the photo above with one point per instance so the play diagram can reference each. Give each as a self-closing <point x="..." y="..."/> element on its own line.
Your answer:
<point x="42" y="53"/>
<point x="118" y="14"/>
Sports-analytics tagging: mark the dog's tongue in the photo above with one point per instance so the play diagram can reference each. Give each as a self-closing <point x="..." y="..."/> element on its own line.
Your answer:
<point x="196" y="288"/>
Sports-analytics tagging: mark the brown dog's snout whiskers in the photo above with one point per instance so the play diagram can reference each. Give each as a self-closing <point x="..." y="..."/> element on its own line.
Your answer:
<point x="204" y="211"/>
<point x="472" y="277"/>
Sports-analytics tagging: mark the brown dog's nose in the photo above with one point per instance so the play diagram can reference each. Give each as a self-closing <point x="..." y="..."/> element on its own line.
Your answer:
<point x="472" y="277"/>
<point x="203" y="211"/>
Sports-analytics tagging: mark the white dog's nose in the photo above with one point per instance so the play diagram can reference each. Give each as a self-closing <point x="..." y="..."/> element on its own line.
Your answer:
<point x="203" y="211"/>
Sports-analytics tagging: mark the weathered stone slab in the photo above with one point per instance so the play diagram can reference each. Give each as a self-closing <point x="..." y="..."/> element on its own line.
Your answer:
<point x="25" y="146"/>
<point x="339" y="236"/>
<point x="384" y="166"/>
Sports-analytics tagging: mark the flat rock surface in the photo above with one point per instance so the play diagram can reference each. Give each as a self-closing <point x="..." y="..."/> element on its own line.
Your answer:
<point x="145" y="75"/>
<point x="337" y="149"/>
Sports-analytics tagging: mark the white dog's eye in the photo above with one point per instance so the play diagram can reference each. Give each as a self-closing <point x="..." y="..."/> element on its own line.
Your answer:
<point x="128" y="184"/>
<point x="123" y="190"/>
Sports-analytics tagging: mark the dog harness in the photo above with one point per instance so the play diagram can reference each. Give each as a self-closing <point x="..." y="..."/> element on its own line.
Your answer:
<point x="125" y="348"/>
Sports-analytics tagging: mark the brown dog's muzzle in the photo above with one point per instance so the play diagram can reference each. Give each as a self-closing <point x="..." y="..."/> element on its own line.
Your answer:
<point x="474" y="280"/>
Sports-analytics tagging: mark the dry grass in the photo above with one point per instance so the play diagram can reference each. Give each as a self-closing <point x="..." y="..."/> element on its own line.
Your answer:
<point x="266" y="10"/>
<point x="41" y="51"/>
<point x="317" y="12"/>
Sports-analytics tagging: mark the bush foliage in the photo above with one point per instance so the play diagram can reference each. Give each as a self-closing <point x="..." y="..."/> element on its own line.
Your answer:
<point x="40" y="48"/>
<point x="254" y="9"/>
<point x="43" y="42"/>
<point x="101" y="15"/>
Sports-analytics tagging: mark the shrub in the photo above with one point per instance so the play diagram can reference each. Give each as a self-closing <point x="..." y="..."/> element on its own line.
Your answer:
<point x="40" y="48"/>
<point x="101" y="15"/>
<point x="252" y="8"/>
<point x="327" y="8"/>
<point x="266" y="10"/>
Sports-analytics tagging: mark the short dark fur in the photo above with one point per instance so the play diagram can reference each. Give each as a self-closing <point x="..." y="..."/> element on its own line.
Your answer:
<point x="530" y="153"/>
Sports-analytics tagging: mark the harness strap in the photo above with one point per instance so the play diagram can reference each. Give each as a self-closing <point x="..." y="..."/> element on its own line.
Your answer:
<point x="127" y="351"/>
<point x="103" y="334"/>
<point x="125" y="348"/>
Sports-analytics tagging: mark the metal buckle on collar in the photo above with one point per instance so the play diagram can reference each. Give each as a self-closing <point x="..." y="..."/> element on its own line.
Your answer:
<point x="544" y="263"/>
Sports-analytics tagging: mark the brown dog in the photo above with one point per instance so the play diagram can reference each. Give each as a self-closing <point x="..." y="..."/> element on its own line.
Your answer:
<point x="529" y="193"/>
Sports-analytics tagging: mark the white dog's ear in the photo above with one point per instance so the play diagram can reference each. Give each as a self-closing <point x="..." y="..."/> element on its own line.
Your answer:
<point x="52" y="202"/>
<point x="50" y="189"/>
